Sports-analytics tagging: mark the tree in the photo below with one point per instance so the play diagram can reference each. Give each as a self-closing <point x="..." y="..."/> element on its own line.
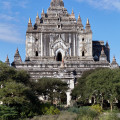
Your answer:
<point x="51" y="87"/>
<point x="16" y="91"/>
<point x="13" y="93"/>
<point x="102" y="84"/>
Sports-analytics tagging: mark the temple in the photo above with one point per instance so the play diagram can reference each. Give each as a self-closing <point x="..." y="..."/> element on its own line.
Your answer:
<point x="59" y="46"/>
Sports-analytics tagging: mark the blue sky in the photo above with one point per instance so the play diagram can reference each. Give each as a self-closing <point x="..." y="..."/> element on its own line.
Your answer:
<point x="104" y="16"/>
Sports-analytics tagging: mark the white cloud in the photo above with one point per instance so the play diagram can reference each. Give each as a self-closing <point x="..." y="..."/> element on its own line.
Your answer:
<point x="9" y="4"/>
<point x="23" y="4"/>
<point x="6" y="17"/>
<point x="6" y="5"/>
<point x="10" y="33"/>
<point x="104" y="4"/>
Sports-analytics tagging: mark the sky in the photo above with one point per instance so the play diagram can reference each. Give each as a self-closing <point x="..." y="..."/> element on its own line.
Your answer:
<point x="104" y="17"/>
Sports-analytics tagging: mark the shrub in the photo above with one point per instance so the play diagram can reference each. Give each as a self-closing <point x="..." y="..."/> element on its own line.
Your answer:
<point x="7" y="113"/>
<point x="86" y="111"/>
<point x="47" y="109"/>
<point x="109" y="116"/>
<point x="74" y="110"/>
<point x="96" y="108"/>
<point x="52" y="111"/>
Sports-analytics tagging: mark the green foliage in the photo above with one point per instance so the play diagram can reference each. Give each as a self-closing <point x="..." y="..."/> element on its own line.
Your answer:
<point x="13" y="93"/>
<point x="74" y="110"/>
<point x="109" y="116"/>
<point x="47" y="109"/>
<point x="17" y="92"/>
<point x="7" y="113"/>
<point x="55" y="88"/>
<point x="97" y="108"/>
<point x="84" y="113"/>
<point x="102" y="84"/>
<point x="52" y="111"/>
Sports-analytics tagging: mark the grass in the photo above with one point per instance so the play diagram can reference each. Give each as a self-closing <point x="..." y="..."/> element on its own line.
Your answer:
<point x="82" y="113"/>
<point x="62" y="116"/>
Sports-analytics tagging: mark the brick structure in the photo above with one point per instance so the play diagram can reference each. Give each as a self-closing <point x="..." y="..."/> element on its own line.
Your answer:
<point x="58" y="45"/>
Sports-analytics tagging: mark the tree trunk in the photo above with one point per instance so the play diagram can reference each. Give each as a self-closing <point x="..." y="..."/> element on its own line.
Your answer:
<point x="102" y="103"/>
<point x="111" y="106"/>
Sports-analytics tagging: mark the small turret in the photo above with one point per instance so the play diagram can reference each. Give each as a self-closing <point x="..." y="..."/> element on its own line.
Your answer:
<point x="88" y="27"/>
<point x="114" y="64"/>
<point x="37" y="19"/>
<point x="43" y="13"/>
<point x="17" y="57"/>
<point x="7" y="61"/>
<point x="79" y="21"/>
<point x="72" y="14"/>
<point x="103" y="57"/>
<point x="29" y="24"/>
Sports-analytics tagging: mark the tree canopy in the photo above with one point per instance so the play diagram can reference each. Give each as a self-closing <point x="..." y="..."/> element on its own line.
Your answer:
<point x="101" y="84"/>
<point x="51" y="87"/>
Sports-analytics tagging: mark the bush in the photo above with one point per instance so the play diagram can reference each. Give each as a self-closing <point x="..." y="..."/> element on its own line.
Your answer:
<point x="96" y="108"/>
<point x="84" y="113"/>
<point x="74" y="110"/>
<point x="7" y="113"/>
<point x="52" y="111"/>
<point x="109" y="116"/>
<point x="47" y="109"/>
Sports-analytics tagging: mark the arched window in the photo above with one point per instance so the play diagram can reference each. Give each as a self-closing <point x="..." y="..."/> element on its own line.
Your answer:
<point x="59" y="56"/>
<point x="36" y="40"/>
<point x="83" y="39"/>
<point x="83" y="53"/>
<point x="36" y="54"/>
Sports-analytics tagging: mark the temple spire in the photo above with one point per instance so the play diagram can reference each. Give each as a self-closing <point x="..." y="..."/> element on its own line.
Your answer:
<point x="17" y="57"/>
<point x="88" y="22"/>
<point x="7" y="61"/>
<point x="72" y="14"/>
<point x="103" y="56"/>
<point x="43" y="13"/>
<point x="37" y="17"/>
<point x="79" y="21"/>
<point x="88" y="27"/>
<point x="114" y="64"/>
<point x="29" y="25"/>
<point x="29" y="21"/>
<point x="114" y="60"/>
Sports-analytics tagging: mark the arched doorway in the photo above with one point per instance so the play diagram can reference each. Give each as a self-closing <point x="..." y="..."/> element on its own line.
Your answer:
<point x="59" y="56"/>
<point x="83" y="53"/>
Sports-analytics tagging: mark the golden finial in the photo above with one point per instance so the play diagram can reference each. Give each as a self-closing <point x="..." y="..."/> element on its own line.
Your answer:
<point x="72" y="11"/>
<point x="79" y="16"/>
<point x="29" y="21"/>
<point x="42" y="11"/>
<point x="87" y="21"/>
<point x="37" y="15"/>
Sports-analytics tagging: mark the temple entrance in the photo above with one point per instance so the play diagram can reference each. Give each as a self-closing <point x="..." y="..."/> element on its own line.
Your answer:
<point x="59" y="56"/>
